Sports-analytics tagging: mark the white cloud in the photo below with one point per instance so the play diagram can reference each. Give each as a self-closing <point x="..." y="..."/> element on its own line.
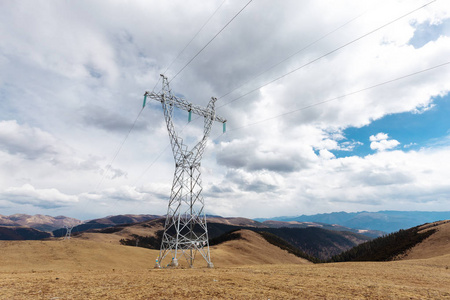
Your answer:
<point x="44" y="198"/>
<point x="326" y="154"/>
<point x="26" y="141"/>
<point x="380" y="142"/>
<point x="379" y="137"/>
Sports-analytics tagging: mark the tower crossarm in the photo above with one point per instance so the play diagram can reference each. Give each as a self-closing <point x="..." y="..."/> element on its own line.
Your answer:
<point x="185" y="105"/>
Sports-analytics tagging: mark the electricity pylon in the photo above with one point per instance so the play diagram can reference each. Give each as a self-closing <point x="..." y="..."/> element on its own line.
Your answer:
<point x="68" y="232"/>
<point x="185" y="230"/>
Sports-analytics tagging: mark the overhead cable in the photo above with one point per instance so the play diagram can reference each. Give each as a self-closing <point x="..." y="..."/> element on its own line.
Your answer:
<point x="292" y="55"/>
<point x="331" y="52"/>
<point x="342" y="96"/>
<point x="187" y="45"/>
<point x="119" y="149"/>
<point x="210" y="41"/>
<point x="201" y="28"/>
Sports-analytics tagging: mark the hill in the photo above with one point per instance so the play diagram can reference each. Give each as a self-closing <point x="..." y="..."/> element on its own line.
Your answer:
<point x="73" y="255"/>
<point x="316" y="242"/>
<point x="251" y="249"/>
<point x="436" y="245"/>
<point x="425" y="241"/>
<point x="121" y="221"/>
<point x="386" y="221"/>
<point x="335" y="227"/>
<point x="39" y="222"/>
<point x="79" y="254"/>
<point x="106" y="222"/>
<point x="236" y="221"/>
<point x="22" y="233"/>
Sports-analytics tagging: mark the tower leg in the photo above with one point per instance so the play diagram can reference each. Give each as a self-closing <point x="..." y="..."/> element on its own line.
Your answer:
<point x="185" y="229"/>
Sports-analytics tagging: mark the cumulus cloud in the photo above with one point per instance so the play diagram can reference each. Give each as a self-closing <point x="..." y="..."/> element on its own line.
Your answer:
<point x="380" y="142"/>
<point x="105" y="119"/>
<point x="35" y="144"/>
<point x="251" y="155"/>
<point x="43" y="198"/>
<point x="26" y="141"/>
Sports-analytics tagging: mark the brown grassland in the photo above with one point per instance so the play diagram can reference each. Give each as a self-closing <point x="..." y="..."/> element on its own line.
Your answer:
<point x="244" y="269"/>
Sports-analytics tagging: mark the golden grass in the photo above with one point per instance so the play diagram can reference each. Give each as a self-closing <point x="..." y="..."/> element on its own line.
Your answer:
<point x="386" y="280"/>
<point x="245" y="269"/>
<point x="435" y="245"/>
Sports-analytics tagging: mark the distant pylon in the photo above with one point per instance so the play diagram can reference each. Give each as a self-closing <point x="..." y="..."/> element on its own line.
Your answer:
<point x="68" y="232"/>
<point x="185" y="229"/>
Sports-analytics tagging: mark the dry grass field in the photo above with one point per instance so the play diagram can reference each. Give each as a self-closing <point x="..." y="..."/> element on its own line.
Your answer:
<point x="245" y="269"/>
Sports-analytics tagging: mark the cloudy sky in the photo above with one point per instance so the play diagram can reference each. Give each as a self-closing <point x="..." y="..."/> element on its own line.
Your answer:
<point x="331" y="106"/>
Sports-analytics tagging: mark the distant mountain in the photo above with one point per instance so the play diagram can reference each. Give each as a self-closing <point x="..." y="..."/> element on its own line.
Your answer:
<point x="244" y="222"/>
<point x="237" y="221"/>
<point x="334" y="227"/>
<point x="117" y="220"/>
<point x="106" y="222"/>
<point x="39" y="222"/>
<point x="22" y="233"/>
<point x="387" y="221"/>
<point x="124" y="219"/>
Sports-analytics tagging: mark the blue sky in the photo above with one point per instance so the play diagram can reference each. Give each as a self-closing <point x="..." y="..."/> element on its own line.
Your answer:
<point x="427" y="32"/>
<point x="74" y="74"/>
<point x="412" y="130"/>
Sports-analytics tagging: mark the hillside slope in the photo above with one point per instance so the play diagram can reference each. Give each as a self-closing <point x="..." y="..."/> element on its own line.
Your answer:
<point x="84" y="255"/>
<point x="438" y="244"/>
<point x="251" y="249"/>
<point x="117" y="233"/>
<point x="71" y="255"/>
<point x="21" y="233"/>
<point x="420" y="242"/>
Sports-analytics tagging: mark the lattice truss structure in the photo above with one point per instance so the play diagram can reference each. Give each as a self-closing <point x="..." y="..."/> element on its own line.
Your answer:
<point x="185" y="231"/>
<point x="68" y="232"/>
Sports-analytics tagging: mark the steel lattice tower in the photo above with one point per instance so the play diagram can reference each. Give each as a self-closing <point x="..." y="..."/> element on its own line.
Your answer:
<point x="185" y="231"/>
<point x="68" y="232"/>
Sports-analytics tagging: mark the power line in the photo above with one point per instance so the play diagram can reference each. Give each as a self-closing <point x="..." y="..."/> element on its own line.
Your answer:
<point x="292" y="55"/>
<point x="187" y="45"/>
<point x="119" y="148"/>
<point x="342" y="96"/>
<point x="328" y="53"/>
<point x="151" y="165"/>
<point x="210" y="40"/>
<point x="201" y="28"/>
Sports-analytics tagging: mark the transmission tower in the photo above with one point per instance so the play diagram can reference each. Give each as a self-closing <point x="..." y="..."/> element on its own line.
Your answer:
<point x="68" y="232"/>
<point x="185" y="230"/>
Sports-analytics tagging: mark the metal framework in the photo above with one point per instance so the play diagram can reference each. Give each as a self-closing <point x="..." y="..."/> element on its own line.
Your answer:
<point x="68" y="232"/>
<point x="185" y="230"/>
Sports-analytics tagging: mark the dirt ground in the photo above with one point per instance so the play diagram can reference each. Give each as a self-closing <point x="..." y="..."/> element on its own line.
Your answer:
<point x="244" y="269"/>
<point x="386" y="280"/>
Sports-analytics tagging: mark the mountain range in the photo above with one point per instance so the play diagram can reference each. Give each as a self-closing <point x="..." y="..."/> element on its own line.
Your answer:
<point x="370" y="224"/>
<point x="39" y="222"/>
<point x="386" y="221"/>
